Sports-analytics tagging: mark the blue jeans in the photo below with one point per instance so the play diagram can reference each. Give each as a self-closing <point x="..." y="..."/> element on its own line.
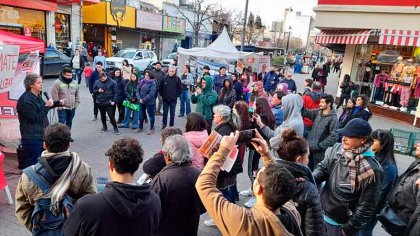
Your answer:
<point x="185" y="102"/>
<point x="65" y="116"/>
<point x="127" y="115"/>
<point x="367" y="231"/>
<point x="78" y="72"/>
<point x="150" y="109"/>
<point x="34" y="149"/>
<point x="230" y="193"/>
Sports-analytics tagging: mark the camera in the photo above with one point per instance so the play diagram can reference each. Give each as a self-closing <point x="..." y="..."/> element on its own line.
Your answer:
<point x="245" y="136"/>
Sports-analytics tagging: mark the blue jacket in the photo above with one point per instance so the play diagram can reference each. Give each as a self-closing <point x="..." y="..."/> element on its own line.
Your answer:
<point x="390" y="175"/>
<point x="120" y="89"/>
<point x="237" y="86"/>
<point x="271" y="79"/>
<point x="147" y="91"/>
<point x="278" y="114"/>
<point x="218" y="82"/>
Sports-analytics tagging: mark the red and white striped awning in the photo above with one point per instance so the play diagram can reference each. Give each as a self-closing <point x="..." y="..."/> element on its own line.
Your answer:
<point x="343" y="37"/>
<point x="400" y="37"/>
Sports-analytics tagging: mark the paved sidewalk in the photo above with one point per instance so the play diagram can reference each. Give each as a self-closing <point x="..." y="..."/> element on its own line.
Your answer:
<point x="91" y="145"/>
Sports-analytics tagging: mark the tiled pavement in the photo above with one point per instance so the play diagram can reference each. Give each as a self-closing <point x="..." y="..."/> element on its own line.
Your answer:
<point x="91" y="145"/>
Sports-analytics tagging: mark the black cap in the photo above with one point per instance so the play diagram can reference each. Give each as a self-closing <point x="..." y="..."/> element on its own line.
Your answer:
<point x="356" y="128"/>
<point x="158" y="62"/>
<point x="206" y="68"/>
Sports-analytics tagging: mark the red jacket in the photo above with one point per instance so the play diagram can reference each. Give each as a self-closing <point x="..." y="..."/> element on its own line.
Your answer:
<point x="310" y="103"/>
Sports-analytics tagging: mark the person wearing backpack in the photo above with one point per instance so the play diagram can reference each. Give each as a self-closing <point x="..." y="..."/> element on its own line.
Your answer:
<point x="46" y="191"/>
<point x="401" y="215"/>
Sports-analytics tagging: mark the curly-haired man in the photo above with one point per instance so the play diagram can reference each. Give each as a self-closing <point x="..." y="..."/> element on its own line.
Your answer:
<point x="124" y="208"/>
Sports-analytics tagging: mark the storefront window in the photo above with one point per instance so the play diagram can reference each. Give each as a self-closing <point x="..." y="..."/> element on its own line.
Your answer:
<point x="388" y="75"/>
<point x="23" y="21"/>
<point x="62" y="31"/>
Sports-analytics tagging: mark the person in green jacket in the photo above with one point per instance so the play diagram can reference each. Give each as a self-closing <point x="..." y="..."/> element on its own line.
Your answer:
<point x="205" y="97"/>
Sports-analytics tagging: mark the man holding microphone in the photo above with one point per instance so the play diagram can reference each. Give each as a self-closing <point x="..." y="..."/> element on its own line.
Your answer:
<point x="32" y="113"/>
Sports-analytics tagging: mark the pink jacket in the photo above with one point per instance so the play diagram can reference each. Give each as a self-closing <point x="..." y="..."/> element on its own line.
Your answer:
<point x="197" y="138"/>
<point x="377" y="80"/>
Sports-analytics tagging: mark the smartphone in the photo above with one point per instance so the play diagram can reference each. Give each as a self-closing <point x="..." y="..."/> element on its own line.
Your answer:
<point x="251" y="112"/>
<point x="245" y="136"/>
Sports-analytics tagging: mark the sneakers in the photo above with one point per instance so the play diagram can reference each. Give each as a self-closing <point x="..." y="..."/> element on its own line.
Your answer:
<point x="209" y="223"/>
<point x="95" y="118"/>
<point x="152" y="131"/>
<point x="246" y="193"/>
<point x="180" y="115"/>
<point x="71" y="140"/>
<point x="251" y="202"/>
<point x="138" y="130"/>
<point x="104" y="129"/>
<point x="116" y="131"/>
<point x="158" y="113"/>
<point x="122" y="126"/>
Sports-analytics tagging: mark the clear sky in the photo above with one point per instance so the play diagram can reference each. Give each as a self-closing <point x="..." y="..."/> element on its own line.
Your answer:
<point x="270" y="10"/>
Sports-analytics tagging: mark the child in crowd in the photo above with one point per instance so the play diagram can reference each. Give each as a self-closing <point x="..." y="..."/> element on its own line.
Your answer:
<point x="87" y="71"/>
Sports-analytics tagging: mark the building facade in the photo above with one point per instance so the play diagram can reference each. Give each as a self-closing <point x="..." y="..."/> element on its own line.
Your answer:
<point x="377" y="37"/>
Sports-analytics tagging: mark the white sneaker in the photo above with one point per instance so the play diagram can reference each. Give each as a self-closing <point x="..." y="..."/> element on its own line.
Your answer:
<point x="209" y="223"/>
<point x="251" y="202"/>
<point x="246" y="193"/>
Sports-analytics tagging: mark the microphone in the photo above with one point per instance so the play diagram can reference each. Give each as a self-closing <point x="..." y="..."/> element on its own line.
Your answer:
<point x="46" y="95"/>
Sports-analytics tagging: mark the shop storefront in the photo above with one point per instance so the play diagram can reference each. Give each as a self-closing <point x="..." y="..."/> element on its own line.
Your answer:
<point x="150" y="26"/>
<point x="62" y="31"/>
<point x="173" y="32"/>
<point x="23" y="21"/>
<point x="382" y="54"/>
<point x="109" y="23"/>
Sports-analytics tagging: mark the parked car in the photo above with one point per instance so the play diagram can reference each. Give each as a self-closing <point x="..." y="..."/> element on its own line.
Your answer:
<point x="138" y="57"/>
<point x="171" y="59"/>
<point x="53" y="61"/>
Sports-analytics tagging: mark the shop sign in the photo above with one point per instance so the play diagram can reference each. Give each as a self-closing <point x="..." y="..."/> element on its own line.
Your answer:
<point x="147" y="20"/>
<point x="370" y="3"/>
<point x="9" y="15"/>
<point x="118" y="10"/>
<point x="173" y="24"/>
<point x="27" y="31"/>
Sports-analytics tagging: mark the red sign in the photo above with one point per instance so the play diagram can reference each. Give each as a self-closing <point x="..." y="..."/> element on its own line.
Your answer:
<point x="401" y="3"/>
<point x="32" y="4"/>
<point x="27" y="31"/>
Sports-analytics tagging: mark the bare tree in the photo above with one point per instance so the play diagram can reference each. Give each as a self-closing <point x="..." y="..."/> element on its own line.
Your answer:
<point x="202" y="13"/>
<point x="254" y="29"/>
<point x="230" y="19"/>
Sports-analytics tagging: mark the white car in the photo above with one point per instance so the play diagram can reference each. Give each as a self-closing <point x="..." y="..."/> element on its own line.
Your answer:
<point x="169" y="60"/>
<point x="139" y="58"/>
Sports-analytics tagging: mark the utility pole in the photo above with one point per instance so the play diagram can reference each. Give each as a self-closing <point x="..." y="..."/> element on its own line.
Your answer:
<point x="244" y="26"/>
<point x="288" y="40"/>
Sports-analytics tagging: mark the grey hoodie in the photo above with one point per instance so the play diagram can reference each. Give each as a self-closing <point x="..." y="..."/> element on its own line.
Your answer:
<point x="292" y="105"/>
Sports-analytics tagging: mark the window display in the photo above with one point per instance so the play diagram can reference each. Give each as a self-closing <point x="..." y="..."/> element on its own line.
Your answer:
<point x="62" y="31"/>
<point x="389" y="75"/>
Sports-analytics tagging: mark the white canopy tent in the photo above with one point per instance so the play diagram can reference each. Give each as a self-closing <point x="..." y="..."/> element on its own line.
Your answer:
<point x="221" y="48"/>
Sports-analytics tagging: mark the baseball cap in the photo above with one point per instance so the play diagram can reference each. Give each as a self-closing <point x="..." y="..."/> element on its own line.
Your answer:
<point x="356" y="128"/>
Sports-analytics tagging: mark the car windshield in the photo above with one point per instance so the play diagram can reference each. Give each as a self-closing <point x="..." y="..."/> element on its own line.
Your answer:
<point x="125" y="54"/>
<point x="172" y="56"/>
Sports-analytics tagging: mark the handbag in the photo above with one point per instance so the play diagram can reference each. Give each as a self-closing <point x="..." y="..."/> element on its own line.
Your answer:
<point x="131" y="105"/>
<point x="391" y="222"/>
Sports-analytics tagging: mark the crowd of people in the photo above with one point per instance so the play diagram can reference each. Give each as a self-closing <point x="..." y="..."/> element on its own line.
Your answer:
<point x="322" y="174"/>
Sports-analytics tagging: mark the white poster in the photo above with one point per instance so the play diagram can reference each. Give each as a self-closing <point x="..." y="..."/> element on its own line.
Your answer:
<point x="9" y="56"/>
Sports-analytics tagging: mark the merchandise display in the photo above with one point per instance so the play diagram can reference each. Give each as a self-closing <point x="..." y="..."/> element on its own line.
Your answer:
<point x="62" y="31"/>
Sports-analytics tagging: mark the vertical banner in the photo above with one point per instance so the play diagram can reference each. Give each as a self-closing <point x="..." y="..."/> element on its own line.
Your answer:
<point x="12" y="75"/>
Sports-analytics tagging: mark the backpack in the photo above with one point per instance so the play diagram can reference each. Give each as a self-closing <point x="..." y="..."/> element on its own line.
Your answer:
<point x="46" y="222"/>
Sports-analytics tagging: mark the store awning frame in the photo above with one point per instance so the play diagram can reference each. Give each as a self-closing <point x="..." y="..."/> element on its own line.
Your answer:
<point x="400" y="37"/>
<point x="360" y="36"/>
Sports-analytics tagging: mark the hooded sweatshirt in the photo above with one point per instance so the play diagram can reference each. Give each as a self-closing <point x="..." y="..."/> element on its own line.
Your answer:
<point x="292" y="105"/>
<point x="206" y="100"/>
<point x="122" y="209"/>
<point x="197" y="139"/>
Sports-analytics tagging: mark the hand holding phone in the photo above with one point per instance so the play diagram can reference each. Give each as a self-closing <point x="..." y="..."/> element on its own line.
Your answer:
<point x="245" y="136"/>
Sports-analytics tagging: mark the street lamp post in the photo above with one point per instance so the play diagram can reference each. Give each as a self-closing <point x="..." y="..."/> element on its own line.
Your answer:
<point x="288" y="39"/>
<point x="244" y="26"/>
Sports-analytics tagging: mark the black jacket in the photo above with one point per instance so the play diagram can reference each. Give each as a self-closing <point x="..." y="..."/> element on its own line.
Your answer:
<point x="306" y="196"/>
<point x="364" y="114"/>
<point x="406" y="199"/>
<point x="159" y="76"/>
<point x="154" y="165"/>
<point x="170" y="88"/>
<point x="110" y="92"/>
<point x="353" y="210"/>
<point x="122" y="209"/>
<point x="181" y="205"/>
<point x="225" y="129"/>
<point x="32" y="114"/>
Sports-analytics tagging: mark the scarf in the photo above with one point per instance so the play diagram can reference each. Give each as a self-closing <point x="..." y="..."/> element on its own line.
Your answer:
<point x="360" y="172"/>
<point x="60" y="187"/>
